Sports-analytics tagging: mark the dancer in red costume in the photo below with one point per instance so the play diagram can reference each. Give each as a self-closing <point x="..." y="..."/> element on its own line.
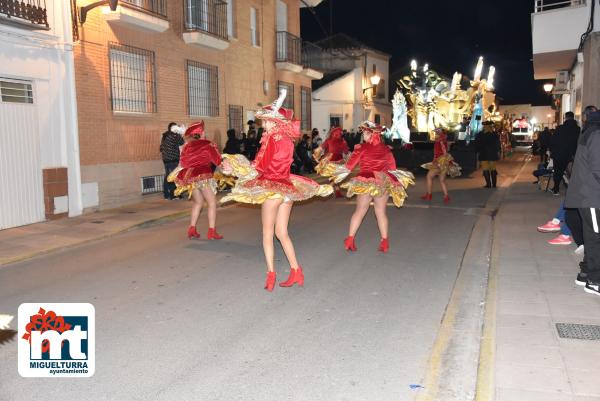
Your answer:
<point x="267" y="181"/>
<point x="194" y="175"/>
<point x="334" y="149"/>
<point x="377" y="180"/>
<point x="442" y="165"/>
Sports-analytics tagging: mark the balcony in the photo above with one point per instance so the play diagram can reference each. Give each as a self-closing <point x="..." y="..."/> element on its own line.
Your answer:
<point x="312" y="60"/>
<point x="556" y="28"/>
<point x="149" y="15"/>
<point x="29" y="14"/>
<point x="288" y="56"/>
<point x="206" y="24"/>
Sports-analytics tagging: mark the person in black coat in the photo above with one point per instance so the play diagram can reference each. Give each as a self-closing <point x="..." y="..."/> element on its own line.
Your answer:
<point x="232" y="146"/>
<point x="170" y="143"/>
<point x="563" y="147"/>
<point x="488" y="147"/>
<point x="544" y="141"/>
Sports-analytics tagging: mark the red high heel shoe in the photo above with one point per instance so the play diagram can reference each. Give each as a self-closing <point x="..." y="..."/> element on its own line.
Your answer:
<point x="447" y="199"/>
<point x="270" y="283"/>
<point x="296" y="277"/>
<point x="426" y="197"/>
<point x="384" y="245"/>
<point x="349" y="244"/>
<point x="213" y="234"/>
<point x="192" y="233"/>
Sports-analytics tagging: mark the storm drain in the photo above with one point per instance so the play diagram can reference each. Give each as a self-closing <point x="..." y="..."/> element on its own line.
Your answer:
<point x="578" y="331"/>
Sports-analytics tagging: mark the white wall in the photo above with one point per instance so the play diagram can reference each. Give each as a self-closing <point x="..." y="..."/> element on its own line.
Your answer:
<point x="337" y="97"/>
<point x="46" y="59"/>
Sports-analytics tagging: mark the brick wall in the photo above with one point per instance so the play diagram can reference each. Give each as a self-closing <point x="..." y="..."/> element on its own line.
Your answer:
<point x="107" y="137"/>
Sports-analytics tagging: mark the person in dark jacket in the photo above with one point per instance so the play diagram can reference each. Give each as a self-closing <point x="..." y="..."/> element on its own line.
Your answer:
<point x="584" y="194"/>
<point x="170" y="142"/>
<point x="488" y="147"/>
<point x="562" y="148"/>
<point x="232" y="146"/>
<point x="544" y="140"/>
<point x="251" y="145"/>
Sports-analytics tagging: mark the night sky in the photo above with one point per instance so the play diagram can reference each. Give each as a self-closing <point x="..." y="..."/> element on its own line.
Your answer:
<point x="449" y="35"/>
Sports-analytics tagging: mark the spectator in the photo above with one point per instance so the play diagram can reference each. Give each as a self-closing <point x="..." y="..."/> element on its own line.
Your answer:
<point x="169" y="149"/>
<point x="316" y="139"/>
<point x="562" y="148"/>
<point x="304" y="153"/>
<point x="544" y="140"/>
<point x="232" y="146"/>
<point x="488" y="147"/>
<point x="251" y="145"/>
<point x="584" y="194"/>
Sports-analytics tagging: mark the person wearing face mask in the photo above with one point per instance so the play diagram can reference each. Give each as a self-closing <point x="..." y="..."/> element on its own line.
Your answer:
<point x="378" y="179"/>
<point x="170" y="142"/>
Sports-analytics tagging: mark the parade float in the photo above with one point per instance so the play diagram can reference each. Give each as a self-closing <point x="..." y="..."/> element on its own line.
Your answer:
<point x="434" y="101"/>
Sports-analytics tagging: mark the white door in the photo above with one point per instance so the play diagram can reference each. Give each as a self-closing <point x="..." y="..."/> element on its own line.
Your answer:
<point x="21" y="181"/>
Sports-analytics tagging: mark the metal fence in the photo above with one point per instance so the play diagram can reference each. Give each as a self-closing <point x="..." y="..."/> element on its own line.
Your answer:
<point x="289" y="48"/>
<point x="312" y="56"/>
<point x="32" y="11"/>
<point x="208" y="16"/>
<point x="547" y="5"/>
<point x="132" y="79"/>
<point x="158" y="7"/>
<point x="203" y="89"/>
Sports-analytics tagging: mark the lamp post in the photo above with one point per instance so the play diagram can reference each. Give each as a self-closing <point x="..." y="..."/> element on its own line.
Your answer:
<point x="375" y="79"/>
<point x="548" y="88"/>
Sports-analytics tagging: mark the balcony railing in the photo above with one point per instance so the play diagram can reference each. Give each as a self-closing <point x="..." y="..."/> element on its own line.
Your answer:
<point x="208" y="16"/>
<point x="156" y="7"/>
<point x="547" y="5"/>
<point x="289" y="48"/>
<point x="25" y="11"/>
<point x="312" y="56"/>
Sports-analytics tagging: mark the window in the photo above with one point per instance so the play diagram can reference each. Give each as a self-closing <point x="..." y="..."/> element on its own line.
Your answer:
<point x="335" y="120"/>
<point x="236" y="118"/>
<point x="132" y="79"/>
<point x="196" y="16"/>
<point x="305" y="108"/>
<point x="231" y="18"/>
<point x="203" y="89"/>
<point x="254" y="33"/>
<point x="377" y="118"/>
<point x="288" y="103"/>
<point x="13" y="91"/>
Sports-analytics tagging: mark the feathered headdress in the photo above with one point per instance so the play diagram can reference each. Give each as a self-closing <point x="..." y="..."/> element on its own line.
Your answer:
<point x="374" y="129"/>
<point x="274" y="111"/>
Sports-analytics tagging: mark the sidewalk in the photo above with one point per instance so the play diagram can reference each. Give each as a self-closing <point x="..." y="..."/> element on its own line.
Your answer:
<point x="25" y="242"/>
<point x="535" y="292"/>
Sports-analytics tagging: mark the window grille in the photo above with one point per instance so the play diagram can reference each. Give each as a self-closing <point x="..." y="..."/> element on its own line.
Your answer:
<point x="288" y="103"/>
<point x="236" y="118"/>
<point x="203" y="89"/>
<point x="12" y="91"/>
<point x="158" y="7"/>
<point x="152" y="183"/>
<point x="132" y="79"/>
<point x="305" y="105"/>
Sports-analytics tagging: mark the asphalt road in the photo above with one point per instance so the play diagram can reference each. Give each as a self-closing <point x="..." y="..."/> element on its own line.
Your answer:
<point x="189" y="320"/>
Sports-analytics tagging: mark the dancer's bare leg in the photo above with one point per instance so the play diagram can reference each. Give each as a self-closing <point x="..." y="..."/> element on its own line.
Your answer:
<point x="362" y="207"/>
<point x="269" y="216"/>
<point x="211" y="200"/>
<point x="380" y="203"/>
<point x="197" y="202"/>
<point x="281" y="231"/>
<point x="443" y="184"/>
<point x="430" y="175"/>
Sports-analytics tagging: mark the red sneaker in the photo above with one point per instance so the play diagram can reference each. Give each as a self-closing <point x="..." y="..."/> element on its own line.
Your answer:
<point x="561" y="240"/>
<point x="549" y="227"/>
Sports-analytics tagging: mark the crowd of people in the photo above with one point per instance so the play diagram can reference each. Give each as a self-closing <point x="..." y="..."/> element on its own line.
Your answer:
<point x="572" y="156"/>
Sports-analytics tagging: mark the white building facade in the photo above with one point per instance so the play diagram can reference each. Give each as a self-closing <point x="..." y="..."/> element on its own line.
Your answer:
<point x="349" y="97"/>
<point x="566" y="53"/>
<point x="39" y="151"/>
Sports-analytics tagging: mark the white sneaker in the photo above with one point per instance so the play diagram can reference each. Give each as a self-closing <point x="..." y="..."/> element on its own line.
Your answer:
<point x="579" y="250"/>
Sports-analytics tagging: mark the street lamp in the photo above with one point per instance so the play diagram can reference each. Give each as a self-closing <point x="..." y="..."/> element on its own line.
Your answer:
<point x="84" y="10"/>
<point x="548" y="88"/>
<point x="375" y="79"/>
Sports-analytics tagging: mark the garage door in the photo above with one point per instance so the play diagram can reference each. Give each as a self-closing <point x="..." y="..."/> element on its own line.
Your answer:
<point x="21" y="182"/>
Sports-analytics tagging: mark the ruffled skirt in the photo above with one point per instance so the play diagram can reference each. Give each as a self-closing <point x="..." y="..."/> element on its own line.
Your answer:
<point x="393" y="183"/>
<point x="444" y="165"/>
<point x="254" y="189"/>
<point x="188" y="179"/>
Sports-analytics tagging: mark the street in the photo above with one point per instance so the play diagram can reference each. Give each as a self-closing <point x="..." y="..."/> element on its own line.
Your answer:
<point x="179" y="319"/>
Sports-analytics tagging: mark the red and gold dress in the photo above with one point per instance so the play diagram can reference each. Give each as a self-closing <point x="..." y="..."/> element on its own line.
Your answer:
<point x="269" y="177"/>
<point x="378" y="174"/>
<point x="443" y="162"/>
<point x="332" y="150"/>
<point x="195" y="163"/>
